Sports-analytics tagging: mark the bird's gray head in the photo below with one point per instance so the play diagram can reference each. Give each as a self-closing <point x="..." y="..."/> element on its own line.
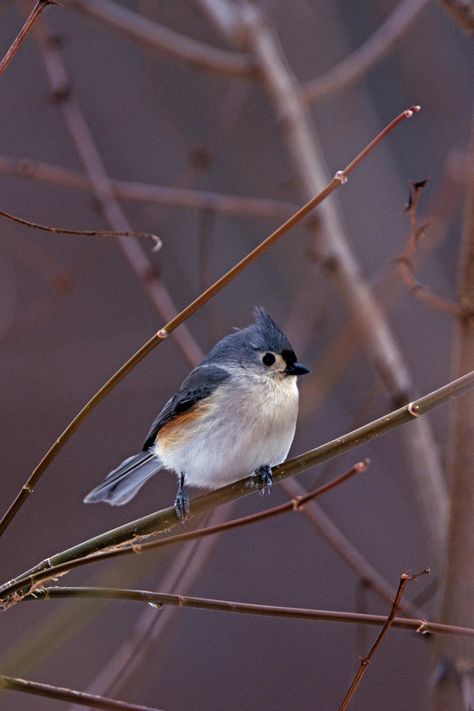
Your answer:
<point x="261" y="348"/>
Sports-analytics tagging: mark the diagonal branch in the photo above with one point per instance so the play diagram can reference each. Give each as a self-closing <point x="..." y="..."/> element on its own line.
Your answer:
<point x="153" y="36"/>
<point x="114" y="214"/>
<point x="105" y="545"/>
<point x="357" y="64"/>
<point x="365" y="661"/>
<point x="62" y="694"/>
<point x="462" y="12"/>
<point x="344" y="547"/>
<point x="40" y="5"/>
<point x="332" y="249"/>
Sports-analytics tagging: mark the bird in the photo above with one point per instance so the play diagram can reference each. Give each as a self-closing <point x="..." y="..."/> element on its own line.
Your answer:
<point x="233" y="416"/>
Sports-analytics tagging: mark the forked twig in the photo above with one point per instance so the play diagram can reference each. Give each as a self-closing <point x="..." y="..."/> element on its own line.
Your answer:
<point x="365" y="661"/>
<point x="405" y="261"/>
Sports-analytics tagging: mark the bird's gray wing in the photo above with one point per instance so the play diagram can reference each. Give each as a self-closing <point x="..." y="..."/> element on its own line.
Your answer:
<point x="200" y="383"/>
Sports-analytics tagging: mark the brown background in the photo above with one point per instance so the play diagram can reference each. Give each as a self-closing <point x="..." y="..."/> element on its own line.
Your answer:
<point x="73" y="311"/>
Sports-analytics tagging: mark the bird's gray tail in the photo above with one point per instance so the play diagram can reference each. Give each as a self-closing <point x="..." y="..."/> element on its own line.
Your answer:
<point x="123" y="483"/>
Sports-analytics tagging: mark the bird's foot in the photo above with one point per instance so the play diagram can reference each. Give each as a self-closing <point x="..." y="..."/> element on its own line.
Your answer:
<point x="264" y="473"/>
<point x="181" y="504"/>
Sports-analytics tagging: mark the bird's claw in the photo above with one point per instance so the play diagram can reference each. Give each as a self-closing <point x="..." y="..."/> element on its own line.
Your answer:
<point x="265" y="475"/>
<point x="181" y="506"/>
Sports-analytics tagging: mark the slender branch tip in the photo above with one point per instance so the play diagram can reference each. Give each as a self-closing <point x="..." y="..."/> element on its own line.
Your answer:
<point x="411" y="111"/>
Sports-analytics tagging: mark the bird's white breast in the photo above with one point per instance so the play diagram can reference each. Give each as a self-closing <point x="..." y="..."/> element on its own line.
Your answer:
<point x="244" y="425"/>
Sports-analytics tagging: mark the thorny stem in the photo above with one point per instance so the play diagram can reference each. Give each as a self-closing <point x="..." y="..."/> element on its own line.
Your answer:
<point x="157" y="338"/>
<point x="365" y="661"/>
<point x="166" y="519"/>
<point x="21" y="36"/>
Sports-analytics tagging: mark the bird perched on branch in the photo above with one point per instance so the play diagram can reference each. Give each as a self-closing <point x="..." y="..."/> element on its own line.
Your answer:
<point x="233" y="416"/>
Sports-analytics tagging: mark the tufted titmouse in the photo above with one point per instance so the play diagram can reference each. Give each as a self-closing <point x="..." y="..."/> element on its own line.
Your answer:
<point x="234" y="415"/>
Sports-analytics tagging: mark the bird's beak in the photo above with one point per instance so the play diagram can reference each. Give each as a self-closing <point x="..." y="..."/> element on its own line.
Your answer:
<point x="296" y="369"/>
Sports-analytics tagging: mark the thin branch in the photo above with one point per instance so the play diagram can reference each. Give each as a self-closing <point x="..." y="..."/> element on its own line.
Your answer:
<point x="140" y="263"/>
<point x="405" y="261"/>
<point x="23" y="33"/>
<point x="345" y="549"/>
<point x="62" y="694"/>
<point x="105" y="545"/>
<point x="136" y="547"/>
<point x="332" y="250"/>
<point x="462" y="12"/>
<point x="124" y="662"/>
<point x="163" y="599"/>
<point x="72" y="112"/>
<point x="298" y="503"/>
<point x="153" y="36"/>
<point x="83" y="233"/>
<point x="351" y="69"/>
<point x="365" y="661"/>
<point x="149" y="192"/>
<point x="458" y="580"/>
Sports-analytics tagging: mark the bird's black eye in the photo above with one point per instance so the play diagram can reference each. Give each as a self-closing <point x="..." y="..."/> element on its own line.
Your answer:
<point x="268" y="359"/>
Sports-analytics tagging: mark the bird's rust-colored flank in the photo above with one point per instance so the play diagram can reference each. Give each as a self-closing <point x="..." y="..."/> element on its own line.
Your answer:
<point x="178" y="428"/>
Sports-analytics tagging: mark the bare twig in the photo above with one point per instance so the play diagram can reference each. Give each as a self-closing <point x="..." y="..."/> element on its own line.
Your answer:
<point x="148" y="192"/>
<point x="162" y="599"/>
<point x="153" y="36"/>
<point x="357" y="64"/>
<point x="105" y="545"/>
<point x="123" y="663"/>
<point x="458" y="578"/>
<point x="344" y="548"/>
<point x="405" y="261"/>
<point x="297" y="503"/>
<point x="23" y="33"/>
<point x="138" y="547"/>
<point x="462" y="12"/>
<point x="77" y="123"/>
<point x="365" y="661"/>
<point x="62" y="694"/>
<point x="332" y="249"/>
<point x="140" y="263"/>
<point x="83" y="233"/>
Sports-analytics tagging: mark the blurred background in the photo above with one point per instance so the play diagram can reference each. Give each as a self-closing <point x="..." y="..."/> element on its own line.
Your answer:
<point x="73" y="309"/>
